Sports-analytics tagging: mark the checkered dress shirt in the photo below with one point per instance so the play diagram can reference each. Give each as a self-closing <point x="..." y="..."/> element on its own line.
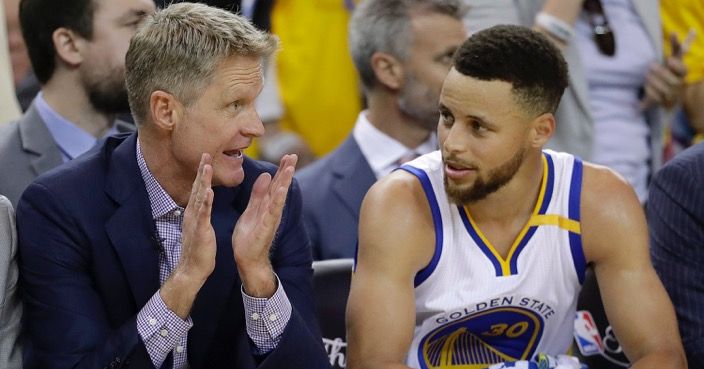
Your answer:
<point x="164" y="332"/>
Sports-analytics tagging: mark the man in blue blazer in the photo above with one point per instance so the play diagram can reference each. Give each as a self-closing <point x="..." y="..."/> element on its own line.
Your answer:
<point x="167" y="248"/>
<point x="402" y="51"/>
<point x="676" y="222"/>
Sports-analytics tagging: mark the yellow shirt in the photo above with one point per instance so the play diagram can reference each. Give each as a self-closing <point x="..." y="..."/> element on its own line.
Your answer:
<point x="679" y="16"/>
<point x="317" y="81"/>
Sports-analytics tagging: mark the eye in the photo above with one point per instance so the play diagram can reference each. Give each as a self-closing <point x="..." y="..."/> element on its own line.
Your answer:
<point x="236" y="105"/>
<point x="478" y="128"/>
<point x="446" y="118"/>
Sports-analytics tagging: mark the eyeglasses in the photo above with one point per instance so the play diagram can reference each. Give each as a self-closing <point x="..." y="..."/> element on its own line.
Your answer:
<point x="602" y="33"/>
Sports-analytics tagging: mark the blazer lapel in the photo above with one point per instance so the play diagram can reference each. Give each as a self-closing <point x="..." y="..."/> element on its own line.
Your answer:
<point x="649" y="13"/>
<point x="130" y="229"/>
<point x="352" y="175"/>
<point x="37" y="141"/>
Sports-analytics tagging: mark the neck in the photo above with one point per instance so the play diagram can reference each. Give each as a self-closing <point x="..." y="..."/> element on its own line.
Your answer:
<point x="384" y="114"/>
<point x="67" y="97"/>
<point x="517" y="198"/>
<point x="158" y="156"/>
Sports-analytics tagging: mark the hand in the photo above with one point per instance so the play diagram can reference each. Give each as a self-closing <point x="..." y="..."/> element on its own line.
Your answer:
<point x="255" y="229"/>
<point x="198" y="245"/>
<point x="664" y="83"/>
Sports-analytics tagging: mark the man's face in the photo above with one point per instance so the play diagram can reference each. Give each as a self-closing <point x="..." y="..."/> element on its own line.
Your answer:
<point x="483" y="136"/>
<point x="103" y="69"/>
<point x="222" y="122"/>
<point x="435" y="37"/>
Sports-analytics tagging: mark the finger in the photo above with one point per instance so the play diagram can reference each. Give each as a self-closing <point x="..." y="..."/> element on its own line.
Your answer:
<point x="651" y="97"/>
<point x="677" y="67"/>
<point x="284" y="174"/>
<point x="668" y="75"/>
<point x="676" y="46"/>
<point x="203" y="187"/>
<point x="259" y="192"/>
<point x="205" y="211"/>
<point x="196" y="185"/>
<point x="659" y="85"/>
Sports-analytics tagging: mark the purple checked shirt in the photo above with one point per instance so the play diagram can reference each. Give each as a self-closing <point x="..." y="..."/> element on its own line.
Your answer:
<point x="163" y="331"/>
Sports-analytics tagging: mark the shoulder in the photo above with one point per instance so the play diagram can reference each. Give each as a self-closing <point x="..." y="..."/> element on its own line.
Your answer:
<point x="347" y="154"/>
<point x="686" y="167"/>
<point x="611" y="212"/>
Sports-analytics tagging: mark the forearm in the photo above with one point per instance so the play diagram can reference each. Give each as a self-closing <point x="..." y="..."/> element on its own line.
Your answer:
<point x="663" y="358"/>
<point x="556" y="20"/>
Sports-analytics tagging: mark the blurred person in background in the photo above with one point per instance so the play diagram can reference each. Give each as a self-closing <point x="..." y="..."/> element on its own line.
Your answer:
<point x="676" y="223"/>
<point x="8" y="103"/>
<point x="10" y="307"/>
<point x="402" y="50"/>
<point x="26" y="84"/>
<point x="685" y="18"/>
<point x="77" y="49"/>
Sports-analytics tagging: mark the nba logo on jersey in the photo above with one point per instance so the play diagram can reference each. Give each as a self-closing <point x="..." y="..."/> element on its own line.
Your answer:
<point x="587" y="335"/>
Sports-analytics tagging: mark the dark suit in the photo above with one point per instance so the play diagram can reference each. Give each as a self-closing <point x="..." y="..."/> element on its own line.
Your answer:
<point x="333" y="189"/>
<point x="88" y="264"/>
<point x="27" y="149"/>
<point x="676" y="222"/>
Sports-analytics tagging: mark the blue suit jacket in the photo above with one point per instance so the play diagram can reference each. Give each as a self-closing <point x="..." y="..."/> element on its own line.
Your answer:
<point x="333" y="189"/>
<point x="88" y="264"/>
<point x="676" y="222"/>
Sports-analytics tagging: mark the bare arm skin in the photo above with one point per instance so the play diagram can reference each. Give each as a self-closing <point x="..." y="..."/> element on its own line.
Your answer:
<point x="615" y="239"/>
<point x="396" y="240"/>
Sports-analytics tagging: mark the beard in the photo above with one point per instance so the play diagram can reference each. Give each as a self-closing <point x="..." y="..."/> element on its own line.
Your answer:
<point x="107" y="92"/>
<point x="419" y="102"/>
<point x="483" y="187"/>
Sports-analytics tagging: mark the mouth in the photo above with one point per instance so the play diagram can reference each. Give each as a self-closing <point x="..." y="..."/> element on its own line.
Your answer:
<point x="235" y="154"/>
<point x="457" y="171"/>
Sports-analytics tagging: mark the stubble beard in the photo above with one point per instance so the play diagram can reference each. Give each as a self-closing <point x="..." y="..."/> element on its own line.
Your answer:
<point x="483" y="187"/>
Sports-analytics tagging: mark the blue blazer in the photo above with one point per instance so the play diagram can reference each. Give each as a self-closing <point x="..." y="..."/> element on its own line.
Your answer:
<point x="333" y="189"/>
<point x="676" y="222"/>
<point x="89" y="263"/>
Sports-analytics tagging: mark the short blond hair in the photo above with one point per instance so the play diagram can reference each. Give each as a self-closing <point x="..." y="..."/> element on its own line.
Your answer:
<point x="180" y="47"/>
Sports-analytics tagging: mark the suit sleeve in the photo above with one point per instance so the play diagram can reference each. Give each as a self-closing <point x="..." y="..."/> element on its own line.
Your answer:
<point x="676" y="223"/>
<point x="65" y="322"/>
<point x="301" y="344"/>
<point x="10" y="308"/>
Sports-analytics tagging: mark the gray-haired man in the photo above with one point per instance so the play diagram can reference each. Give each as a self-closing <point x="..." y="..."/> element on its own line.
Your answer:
<point x="155" y="250"/>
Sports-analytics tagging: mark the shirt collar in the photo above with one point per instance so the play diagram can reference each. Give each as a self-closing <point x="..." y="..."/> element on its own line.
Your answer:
<point x="381" y="150"/>
<point x="71" y="139"/>
<point x="162" y="204"/>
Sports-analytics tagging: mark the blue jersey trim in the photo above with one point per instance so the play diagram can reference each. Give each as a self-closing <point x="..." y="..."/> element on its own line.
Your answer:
<point x="550" y="185"/>
<point x="424" y="273"/>
<point x="578" y="258"/>
<point x="478" y="240"/>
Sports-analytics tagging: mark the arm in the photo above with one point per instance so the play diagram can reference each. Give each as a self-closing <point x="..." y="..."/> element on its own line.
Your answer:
<point x="615" y="240"/>
<point x="66" y="324"/>
<point x="396" y="238"/>
<point x="10" y="308"/>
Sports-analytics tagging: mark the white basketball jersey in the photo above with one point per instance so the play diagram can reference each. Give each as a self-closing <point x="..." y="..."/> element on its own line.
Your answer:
<point x="473" y="308"/>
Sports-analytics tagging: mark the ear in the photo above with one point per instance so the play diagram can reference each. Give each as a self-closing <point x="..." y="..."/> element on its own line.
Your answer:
<point x="165" y="110"/>
<point x="542" y="129"/>
<point x="388" y="70"/>
<point x="68" y="46"/>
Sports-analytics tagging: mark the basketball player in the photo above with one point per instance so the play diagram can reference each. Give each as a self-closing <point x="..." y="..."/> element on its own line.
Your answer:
<point x="475" y="254"/>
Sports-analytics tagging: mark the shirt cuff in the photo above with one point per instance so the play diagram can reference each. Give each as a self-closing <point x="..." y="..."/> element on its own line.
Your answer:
<point x="160" y="329"/>
<point x="266" y="319"/>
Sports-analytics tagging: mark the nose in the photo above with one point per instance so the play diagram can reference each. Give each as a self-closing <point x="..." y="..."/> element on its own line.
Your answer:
<point x="253" y="124"/>
<point x="455" y="141"/>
